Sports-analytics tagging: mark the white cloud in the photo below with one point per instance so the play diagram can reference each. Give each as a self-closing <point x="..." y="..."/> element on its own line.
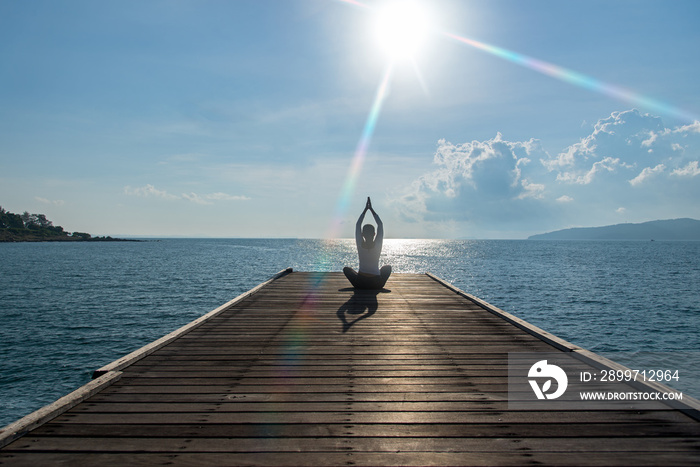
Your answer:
<point x="622" y="144"/>
<point x="612" y="137"/>
<point x="211" y="197"/>
<point x="473" y="180"/>
<point x="226" y="197"/>
<point x="608" y="164"/>
<point x="150" y="191"/>
<point x="483" y="165"/>
<point x="617" y="144"/>
<point x="531" y="190"/>
<point x="621" y="210"/>
<point x="646" y="173"/>
<point x="691" y="128"/>
<point x="55" y="202"/>
<point x="652" y="138"/>
<point x="565" y="199"/>
<point x="690" y="170"/>
<point x="195" y="198"/>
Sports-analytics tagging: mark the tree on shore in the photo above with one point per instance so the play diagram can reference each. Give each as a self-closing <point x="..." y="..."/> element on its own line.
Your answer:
<point x="36" y="227"/>
<point x="9" y="220"/>
<point x="34" y="221"/>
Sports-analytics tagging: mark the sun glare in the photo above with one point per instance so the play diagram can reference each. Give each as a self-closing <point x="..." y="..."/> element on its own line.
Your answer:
<point x="401" y="29"/>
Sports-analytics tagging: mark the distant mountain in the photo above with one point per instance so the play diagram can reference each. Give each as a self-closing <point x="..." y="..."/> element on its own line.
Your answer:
<point x="672" y="229"/>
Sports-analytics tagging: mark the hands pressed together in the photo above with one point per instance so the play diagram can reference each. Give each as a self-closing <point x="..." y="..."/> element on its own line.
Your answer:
<point x="368" y="206"/>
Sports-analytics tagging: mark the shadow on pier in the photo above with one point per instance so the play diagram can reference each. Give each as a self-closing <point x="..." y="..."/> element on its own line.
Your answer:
<point x="361" y="305"/>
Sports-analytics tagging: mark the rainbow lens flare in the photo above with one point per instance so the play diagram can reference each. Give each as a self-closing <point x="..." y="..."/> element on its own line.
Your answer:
<point x="573" y="77"/>
<point x="358" y="159"/>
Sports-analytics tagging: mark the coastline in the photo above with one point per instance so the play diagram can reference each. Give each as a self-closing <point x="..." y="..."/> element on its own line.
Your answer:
<point x="35" y="239"/>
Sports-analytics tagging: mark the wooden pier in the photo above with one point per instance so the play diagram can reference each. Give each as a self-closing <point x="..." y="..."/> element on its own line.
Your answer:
<point x="303" y="370"/>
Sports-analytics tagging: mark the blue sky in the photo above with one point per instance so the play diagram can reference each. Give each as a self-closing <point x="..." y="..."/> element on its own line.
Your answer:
<point x="241" y="118"/>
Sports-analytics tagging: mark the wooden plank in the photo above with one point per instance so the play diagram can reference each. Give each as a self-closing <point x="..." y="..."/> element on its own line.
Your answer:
<point x="424" y="430"/>
<point x="345" y="456"/>
<point x="375" y="396"/>
<point x="361" y="444"/>
<point x="233" y="406"/>
<point x="347" y="415"/>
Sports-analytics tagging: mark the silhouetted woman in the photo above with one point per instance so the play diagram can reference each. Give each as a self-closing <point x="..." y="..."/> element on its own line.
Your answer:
<point x="369" y="247"/>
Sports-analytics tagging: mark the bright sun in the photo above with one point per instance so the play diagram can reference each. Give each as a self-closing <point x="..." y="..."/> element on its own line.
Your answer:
<point x="401" y="29"/>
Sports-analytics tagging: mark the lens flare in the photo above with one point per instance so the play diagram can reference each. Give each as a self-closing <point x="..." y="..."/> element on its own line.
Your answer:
<point x="578" y="79"/>
<point x="358" y="159"/>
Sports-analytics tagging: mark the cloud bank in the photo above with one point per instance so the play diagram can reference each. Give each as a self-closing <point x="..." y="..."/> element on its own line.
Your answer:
<point x="629" y="144"/>
<point x="630" y="163"/>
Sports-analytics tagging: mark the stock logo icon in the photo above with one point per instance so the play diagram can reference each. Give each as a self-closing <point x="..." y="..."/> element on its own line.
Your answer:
<point x="543" y="371"/>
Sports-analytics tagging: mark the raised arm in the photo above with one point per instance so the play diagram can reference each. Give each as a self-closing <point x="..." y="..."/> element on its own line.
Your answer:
<point x="380" y="225"/>
<point x="358" y="227"/>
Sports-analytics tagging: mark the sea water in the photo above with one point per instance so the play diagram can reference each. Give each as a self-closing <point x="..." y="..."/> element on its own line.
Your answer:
<point x="67" y="309"/>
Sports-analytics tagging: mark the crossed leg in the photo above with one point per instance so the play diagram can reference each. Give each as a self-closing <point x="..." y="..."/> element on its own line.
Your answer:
<point x="365" y="281"/>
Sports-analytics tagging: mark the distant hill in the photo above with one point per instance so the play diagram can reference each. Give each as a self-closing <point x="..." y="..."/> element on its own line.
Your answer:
<point x="672" y="229"/>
